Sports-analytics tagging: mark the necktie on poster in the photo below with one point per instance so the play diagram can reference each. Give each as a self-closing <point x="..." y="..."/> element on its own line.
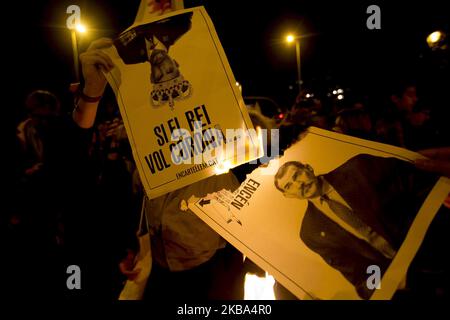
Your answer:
<point x="368" y="234"/>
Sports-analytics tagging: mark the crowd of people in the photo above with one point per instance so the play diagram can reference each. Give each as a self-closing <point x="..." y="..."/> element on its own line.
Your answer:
<point x="397" y="118"/>
<point x="76" y="197"/>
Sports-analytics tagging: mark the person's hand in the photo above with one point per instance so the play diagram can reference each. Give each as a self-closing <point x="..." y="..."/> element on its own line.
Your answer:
<point x="35" y="168"/>
<point x="126" y="266"/>
<point x="93" y="63"/>
<point x="439" y="162"/>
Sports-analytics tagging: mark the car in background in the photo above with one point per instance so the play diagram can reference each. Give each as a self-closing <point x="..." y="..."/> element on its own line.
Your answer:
<point x="266" y="106"/>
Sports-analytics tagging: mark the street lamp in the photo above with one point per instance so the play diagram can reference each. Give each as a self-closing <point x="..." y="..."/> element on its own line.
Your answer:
<point x="81" y="28"/>
<point x="435" y="39"/>
<point x="289" y="39"/>
<point x="73" y="31"/>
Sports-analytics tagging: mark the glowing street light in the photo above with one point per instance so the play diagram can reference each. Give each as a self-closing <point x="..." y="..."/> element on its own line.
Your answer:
<point x="80" y="28"/>
<point x="239" y="86"/>
<point x="74" y="29"/>
<point x="289" y="39"/>
<point x="435" y="39"/>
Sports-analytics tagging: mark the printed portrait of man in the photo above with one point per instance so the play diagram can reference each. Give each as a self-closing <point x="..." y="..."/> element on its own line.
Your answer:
<point x="358" y="214"/>
<point x="151" y="43"/>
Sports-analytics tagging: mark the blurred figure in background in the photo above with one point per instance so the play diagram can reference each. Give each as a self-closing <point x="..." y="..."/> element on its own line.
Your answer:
<point x="36" y="208"/>
<point x="404" y="123"/>
<point x="355" y="121"/>
<point x="43" y="110"/>
<point x="307" y="111"/>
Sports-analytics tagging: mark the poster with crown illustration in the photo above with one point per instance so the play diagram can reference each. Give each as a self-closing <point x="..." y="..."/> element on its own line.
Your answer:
<point x="179" y="101"/>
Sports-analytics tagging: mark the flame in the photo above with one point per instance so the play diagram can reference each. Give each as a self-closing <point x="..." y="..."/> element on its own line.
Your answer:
<point x="258" y="288"/>
<point x="223" y="167"/>
<point x="250" y="151"/>
<point x="259" y="132"/>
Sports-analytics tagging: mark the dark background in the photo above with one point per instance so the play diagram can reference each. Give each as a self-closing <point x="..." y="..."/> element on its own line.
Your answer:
<point x="337" y="48"/>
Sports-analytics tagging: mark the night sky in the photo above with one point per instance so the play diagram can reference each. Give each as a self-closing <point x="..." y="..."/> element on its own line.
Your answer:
<point x="337" y="48"/>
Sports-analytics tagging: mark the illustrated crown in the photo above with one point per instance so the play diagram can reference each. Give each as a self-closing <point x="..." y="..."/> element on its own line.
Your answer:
<point x="170" y="91"/>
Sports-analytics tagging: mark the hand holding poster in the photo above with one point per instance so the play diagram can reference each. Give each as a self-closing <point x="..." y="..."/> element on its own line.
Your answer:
<point x="177" y="96"/>
<point x="337" y="218"/>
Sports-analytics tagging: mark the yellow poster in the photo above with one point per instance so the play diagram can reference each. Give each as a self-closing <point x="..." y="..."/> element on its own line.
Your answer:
<point x="336" y="217"/>
<point x="177" y="96"/>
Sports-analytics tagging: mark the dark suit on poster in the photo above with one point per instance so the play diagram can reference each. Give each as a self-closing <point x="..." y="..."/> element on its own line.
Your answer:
<point x="386" y="194"/>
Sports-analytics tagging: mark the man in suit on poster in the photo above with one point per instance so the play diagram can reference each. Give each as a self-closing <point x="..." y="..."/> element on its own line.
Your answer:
<point x="358" y="214"/>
